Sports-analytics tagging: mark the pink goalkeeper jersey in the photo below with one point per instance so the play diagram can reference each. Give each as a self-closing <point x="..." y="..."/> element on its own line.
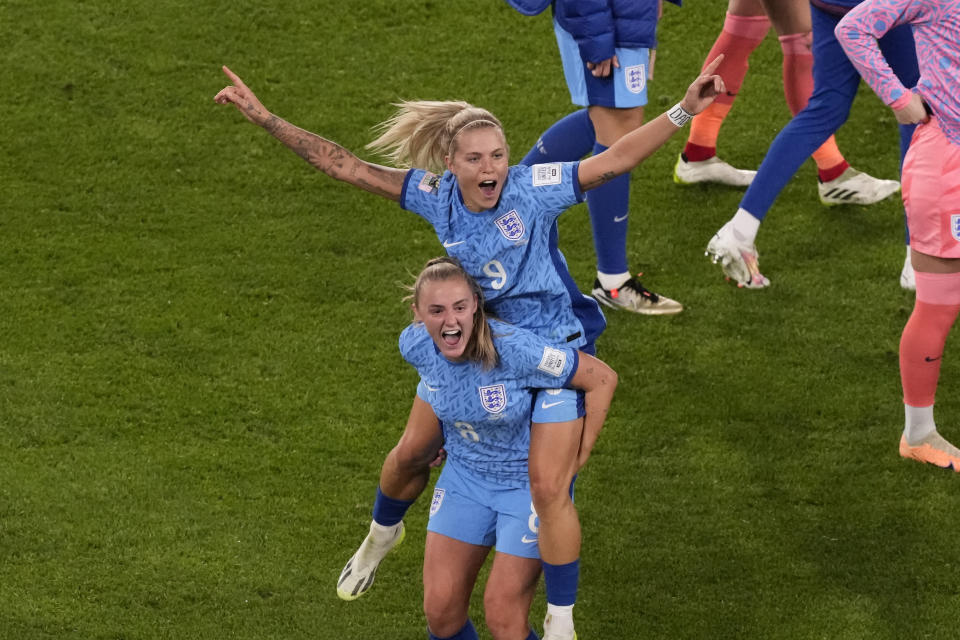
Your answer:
<point x="936" y="30"/>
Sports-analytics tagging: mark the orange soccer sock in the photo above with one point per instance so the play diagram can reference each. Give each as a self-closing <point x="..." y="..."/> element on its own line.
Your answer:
<point x="797" y="88"/>
<point x="739" y="37"/>
<point x="923" y="339"/>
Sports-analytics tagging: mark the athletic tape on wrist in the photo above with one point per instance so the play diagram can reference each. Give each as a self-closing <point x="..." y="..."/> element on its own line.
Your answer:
<point x="679" y="116"/>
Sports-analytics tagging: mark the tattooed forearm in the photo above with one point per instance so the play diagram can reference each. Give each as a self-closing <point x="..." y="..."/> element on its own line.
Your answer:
<point x="335" y="161"/>
<point x="599" y="180"/>
<point x="325" y="155"/>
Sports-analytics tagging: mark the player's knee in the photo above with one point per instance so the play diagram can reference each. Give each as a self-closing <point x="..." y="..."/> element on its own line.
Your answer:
<point x="444" y="617"/>
<point x="549" y="490"/>
<point x="413" y="458"/>
<point x="503" y="618"/>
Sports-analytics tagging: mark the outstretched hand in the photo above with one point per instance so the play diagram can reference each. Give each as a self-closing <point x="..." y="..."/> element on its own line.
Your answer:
<point x="240" y="95"/>
<point x="704" y="89"/>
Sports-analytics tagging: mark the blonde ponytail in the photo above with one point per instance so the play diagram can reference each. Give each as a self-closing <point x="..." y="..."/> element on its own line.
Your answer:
<point x="421" y="133"/>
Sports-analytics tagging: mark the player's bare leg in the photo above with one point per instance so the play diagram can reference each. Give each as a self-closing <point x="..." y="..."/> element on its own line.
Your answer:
<point x="553" y="463"/>
<point x="405" y="473"/>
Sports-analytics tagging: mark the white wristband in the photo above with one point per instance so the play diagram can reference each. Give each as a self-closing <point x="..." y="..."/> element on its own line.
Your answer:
<point x="679" y="116"/>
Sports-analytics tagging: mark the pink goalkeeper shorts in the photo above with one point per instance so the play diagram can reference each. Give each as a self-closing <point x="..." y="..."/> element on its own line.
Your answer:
<point x="931" y="192"/>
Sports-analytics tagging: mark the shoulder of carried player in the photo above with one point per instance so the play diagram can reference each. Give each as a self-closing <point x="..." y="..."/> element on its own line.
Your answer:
<point x="511" y="341"/>
<point x="415" y="342"/>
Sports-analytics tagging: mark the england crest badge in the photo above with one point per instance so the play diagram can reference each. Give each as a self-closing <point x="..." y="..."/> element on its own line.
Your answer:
<point x="493" y="398"/>
<point x="955" y="226"/>
<point x="635" y="78"/>
<point x="437" y="501"/>
<point x="510" y="225"/>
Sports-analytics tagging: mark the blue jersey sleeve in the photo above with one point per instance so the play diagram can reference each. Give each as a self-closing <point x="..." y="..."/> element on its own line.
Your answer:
<point x="421" y="195"/>
<point x="534" y="360"/>
<point x="555" y="186"/>
<point x="416" y="345"/>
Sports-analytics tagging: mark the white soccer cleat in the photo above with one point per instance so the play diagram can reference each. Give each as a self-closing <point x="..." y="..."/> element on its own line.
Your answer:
<point x="712" y="170"/>
<point x="633" y="296"/>
<point x="558" y="628"/>
<point x="358" y="574"/>
<point x="738" y="260"/>
<point x="856" y="187"/>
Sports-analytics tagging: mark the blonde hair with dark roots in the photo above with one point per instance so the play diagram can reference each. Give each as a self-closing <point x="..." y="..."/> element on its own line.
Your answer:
<point x="480" y="348"/>
<point x="422" y="132"/>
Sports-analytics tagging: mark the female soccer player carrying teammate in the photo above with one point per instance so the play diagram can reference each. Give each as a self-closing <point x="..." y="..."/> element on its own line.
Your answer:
<point x="744" y="28"/>
<point x="931" y="182"/>
<point x="500" y="222"/>
<point x="835" y="83"/>
<point x="479" y="377"/>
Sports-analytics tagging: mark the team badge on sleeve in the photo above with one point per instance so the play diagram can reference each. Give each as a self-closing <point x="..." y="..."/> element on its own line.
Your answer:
<point x="553" y="361"/>
<point x="430" y="182"/>
<point x="636" y="78"/>
<point x="437" y="501"/>
<point x="955" y="226"/>
<point x="493" y="398"/>
<point x="544" y="174"/>
<point x="510" y="225"/>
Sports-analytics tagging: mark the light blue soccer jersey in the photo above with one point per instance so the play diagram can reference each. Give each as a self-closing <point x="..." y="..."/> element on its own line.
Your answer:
<point x="511" y="250"/>
<point x="486" y="413"/>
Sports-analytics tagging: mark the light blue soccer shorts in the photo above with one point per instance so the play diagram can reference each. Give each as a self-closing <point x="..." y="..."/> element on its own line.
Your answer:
<point x="557" y="405"/>
<point x="472" y="509"/>
<point x="624" y="88"/>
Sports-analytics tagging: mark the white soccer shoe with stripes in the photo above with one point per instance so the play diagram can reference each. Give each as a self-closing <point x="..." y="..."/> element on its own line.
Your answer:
<point x="358" y="574"/>
<point x="856" y="187"/>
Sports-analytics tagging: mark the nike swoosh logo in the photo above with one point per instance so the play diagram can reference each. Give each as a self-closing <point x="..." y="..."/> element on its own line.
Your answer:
<point x="619" y="218"/>
<point x="545" y="405"/>
<point x="447" y="244"/>
<point x="429" y="388"/>
<point x="929" y="359"/>
<point x="527" y="540"/>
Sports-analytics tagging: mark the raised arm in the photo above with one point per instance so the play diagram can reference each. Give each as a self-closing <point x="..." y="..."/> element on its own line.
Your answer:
<point x="638" y="145"/>
<point x="598" y="382"/>
<point x="327" y="156"/>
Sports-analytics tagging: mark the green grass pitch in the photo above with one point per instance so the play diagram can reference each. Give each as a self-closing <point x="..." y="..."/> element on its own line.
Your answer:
<point x="198" y="367"/>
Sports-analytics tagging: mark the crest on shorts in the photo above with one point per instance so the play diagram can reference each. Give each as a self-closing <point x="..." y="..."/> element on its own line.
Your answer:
<point x="635" y="77"/>
<point x="510" y="225"/>
<point x="437" y="501"/>
<point x="493" y="398"/>
<point x="955" y="226"/>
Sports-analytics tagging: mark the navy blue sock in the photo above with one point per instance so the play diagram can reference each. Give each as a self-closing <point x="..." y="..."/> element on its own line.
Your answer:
<point x="609" y="205"/>
<point x="561" y="582"/>
<point x="569" y="138"/>
<point x="468" y="632"/>
<point x="387" y="511"/>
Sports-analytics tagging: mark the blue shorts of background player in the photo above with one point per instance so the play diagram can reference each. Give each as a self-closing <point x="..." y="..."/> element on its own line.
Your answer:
<point x="624" y="88"/>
